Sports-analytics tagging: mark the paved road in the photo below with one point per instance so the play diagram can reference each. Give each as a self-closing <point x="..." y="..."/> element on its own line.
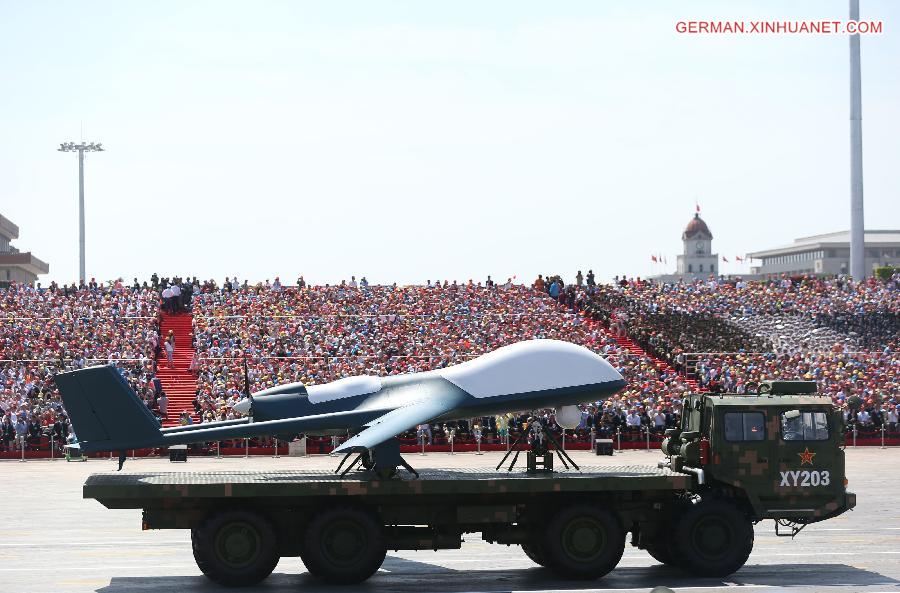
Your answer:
<point x="51" y="540"/>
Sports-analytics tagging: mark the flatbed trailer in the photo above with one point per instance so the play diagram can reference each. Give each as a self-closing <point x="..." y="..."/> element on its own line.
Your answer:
<point x="330" y="521"/>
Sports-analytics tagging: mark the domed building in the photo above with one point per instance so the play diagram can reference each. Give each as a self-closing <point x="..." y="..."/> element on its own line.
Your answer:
<point x="697" y="260"/>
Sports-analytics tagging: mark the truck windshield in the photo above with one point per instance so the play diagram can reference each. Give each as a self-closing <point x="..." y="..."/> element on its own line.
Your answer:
<point x="808" y="426"/>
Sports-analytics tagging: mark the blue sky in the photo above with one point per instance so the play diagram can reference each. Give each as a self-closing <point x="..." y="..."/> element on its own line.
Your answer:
<point x="407" y="141"/>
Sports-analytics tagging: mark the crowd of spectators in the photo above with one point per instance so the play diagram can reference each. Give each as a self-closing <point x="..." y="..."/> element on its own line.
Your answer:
<point x="701" y="328"/>
<point x="45" y="330"/>
<point x="323" y="333"/>
<point x="869" y="329"/>
<point x="317" y="334"/>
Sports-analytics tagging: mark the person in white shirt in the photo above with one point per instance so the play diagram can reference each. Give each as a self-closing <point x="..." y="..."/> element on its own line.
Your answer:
<point x="864" y="418"/>
<point x="633" y="419"/>
<point x="891" y="418"/>
<point x="176" y="298"/>
<point x="659" y="420"/>
<point x="167" y="299"/>
<point x="170" y="349"/>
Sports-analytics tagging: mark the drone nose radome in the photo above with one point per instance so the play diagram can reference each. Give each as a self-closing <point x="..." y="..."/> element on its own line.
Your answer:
<point x="243" y="406"/>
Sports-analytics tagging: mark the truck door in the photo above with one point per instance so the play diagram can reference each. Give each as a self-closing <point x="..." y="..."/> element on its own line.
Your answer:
<point x="810" y="461"/>
<point x="747" y="447"/>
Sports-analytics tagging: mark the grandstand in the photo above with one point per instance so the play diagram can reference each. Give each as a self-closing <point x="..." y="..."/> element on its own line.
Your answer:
<point x="666" y="339"/>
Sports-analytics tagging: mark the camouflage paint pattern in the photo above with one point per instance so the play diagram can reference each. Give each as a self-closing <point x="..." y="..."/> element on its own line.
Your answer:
<point x="755" y="467"/>
<point x="115" y="490"/>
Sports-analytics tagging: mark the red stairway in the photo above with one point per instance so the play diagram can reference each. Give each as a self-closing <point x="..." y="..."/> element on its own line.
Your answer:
<point x="178" y="383"/>
<point x="635" y="349"/>
<point x="662" y="365"/>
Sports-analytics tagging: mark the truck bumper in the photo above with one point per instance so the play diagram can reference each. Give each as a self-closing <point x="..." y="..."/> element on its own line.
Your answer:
<point x="849" y="500"/>
<point x="833" y="510"/>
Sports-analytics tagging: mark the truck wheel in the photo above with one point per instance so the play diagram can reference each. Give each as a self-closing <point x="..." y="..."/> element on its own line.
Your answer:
<point x="235" y="548"/>
<point x="304" y="557"/>
<point x="535" y="553"/>
<point x="660" y="552"/>
<point x="344" y="546"/>
<point x="712" y="539"/>
<point x="583" y="542"/>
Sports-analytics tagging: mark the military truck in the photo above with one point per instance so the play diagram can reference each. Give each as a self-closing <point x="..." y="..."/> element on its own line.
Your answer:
<point x="735" y="460"/>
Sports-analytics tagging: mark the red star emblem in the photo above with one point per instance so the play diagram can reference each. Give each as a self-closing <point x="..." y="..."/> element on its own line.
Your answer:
<point x="806" y="457"/>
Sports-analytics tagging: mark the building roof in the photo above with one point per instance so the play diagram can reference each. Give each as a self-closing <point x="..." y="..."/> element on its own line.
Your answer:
<point x="7" y="229"/>
<point x="873" y="238"/>
<point x="25" y="261"/>
<point x="696" y="227"/>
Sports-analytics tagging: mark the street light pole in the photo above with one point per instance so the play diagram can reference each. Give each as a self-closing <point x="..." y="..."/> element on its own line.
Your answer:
<point x="81" y="273"/>
<point x="857" y="223"/>
<point x="81" y="149"/>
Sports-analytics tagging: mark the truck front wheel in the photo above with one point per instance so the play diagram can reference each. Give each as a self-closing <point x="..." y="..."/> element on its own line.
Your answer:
<point x="712" y="539"/>
<point x="344" y="546"/>
<point x="535" y="553"/>
<point x="583" y="542"/>
<point x="235" y="548"/>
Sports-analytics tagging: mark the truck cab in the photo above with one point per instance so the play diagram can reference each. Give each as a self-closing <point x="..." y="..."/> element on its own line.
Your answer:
<point x="778" y="452"/>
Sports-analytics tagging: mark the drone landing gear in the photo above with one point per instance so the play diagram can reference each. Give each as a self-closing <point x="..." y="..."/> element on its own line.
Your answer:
<point x="383" y="460"/>
<point x="353" y="464"/>
<point x="539" y="459"/>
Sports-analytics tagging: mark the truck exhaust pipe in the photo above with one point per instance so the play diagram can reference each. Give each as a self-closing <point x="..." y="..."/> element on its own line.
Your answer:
<point x="701" y="476"/>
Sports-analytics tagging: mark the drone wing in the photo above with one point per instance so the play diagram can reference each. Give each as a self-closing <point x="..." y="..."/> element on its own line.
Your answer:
<point x="396" y="421"/>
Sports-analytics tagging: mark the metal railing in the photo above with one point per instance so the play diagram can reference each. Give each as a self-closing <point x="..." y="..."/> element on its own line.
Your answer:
<point x="79" y="316"/>
<point x="554" y="313"/>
